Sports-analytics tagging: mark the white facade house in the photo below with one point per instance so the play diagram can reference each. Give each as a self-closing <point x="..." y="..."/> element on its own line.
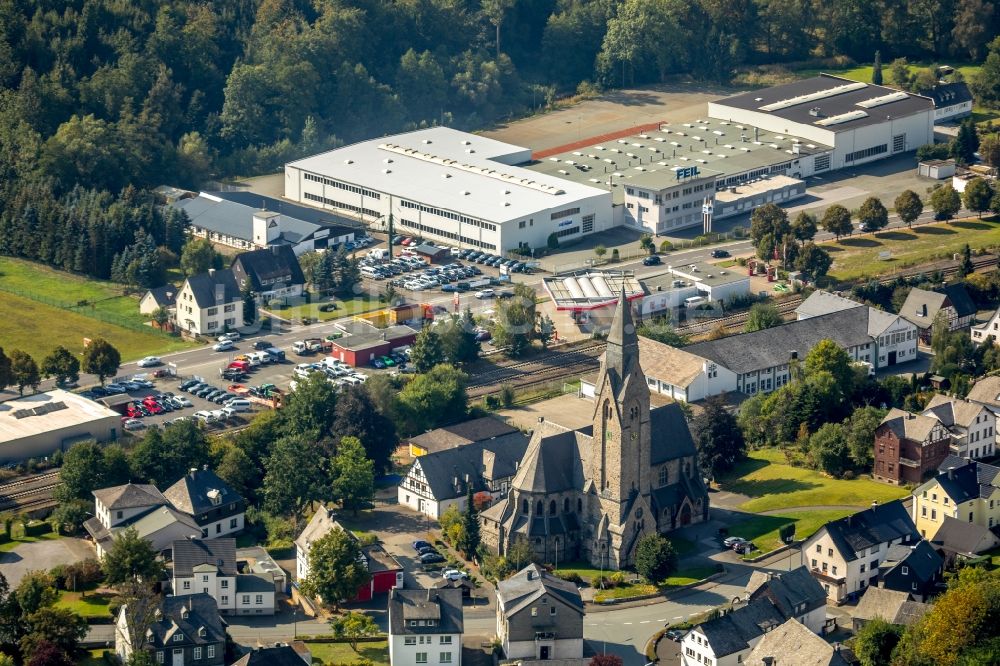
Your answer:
<point x="988" y="329"/>
<point x="728" y="639"/>
<point x="209" y="303"/>
<point x="862" y="122"/>
<point x="425" y="627"/>
<point x="844" y="554"/>
<point x="972" y="426"/>
<point x="452" y="187"/>
<point x="209" y="567"/>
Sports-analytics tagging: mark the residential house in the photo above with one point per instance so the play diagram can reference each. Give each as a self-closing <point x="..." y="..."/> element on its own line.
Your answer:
<point x="989" y="329"/>
<point x="915" y="569"/>
<point x="986" y="392"/>
<point x="159" y="298"/>
<point x="539" y="616"/>
<point x="386" y="572"/>
<point x="728" y="639"/>
<point x="822" y="302"/>
<point x="960" y="540"/>
<point x="922" y="308"/>
<point x="425" y="627"/>
<point x="972" y="425"/>
<point x="277" y="655"/>
<point x="951" y="101"/>
<point x="721" y="366"/>
<point x="459" y="434"/>
<point x="844" y="554"/>
<point x="216" y="507"/>
<point x="187" y="630"/>
<point x="796" y="594"/>
<point x="209" y="303"/>
<point x="908" y="447"/>
<point x="272" y="273"/>
<point x="248" y="220"/>
<point x="210" y="567"/>
<point x="441" y="479"/>
<point x="891" y="605"/>
<point x="966" y="490"/>
<point x="793" y="643"/>
<point x="140" y="507"/>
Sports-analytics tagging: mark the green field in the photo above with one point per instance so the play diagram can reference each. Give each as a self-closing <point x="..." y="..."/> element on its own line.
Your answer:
<point x="377" y="652"/>
<point x="91" y="606"/>
<point x="858" y="256"/>
<point x="763" y="530"/>
<point x="771" y="484"/>
<point x="345" y="308"/>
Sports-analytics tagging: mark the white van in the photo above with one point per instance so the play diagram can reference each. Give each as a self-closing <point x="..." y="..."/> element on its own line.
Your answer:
<point x="695" y="301"/>
<point x="378" y="253"/>
<point x="239" y="404"/>
<point x="257" y="358"/>
<point x="369" y="272"/>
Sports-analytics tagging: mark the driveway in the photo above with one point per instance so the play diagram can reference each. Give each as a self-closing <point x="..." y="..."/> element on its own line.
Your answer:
<point x="42" y="555"/>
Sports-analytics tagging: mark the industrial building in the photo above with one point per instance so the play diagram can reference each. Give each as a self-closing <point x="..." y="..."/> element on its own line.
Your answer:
<point x="449" y="186"/>
<point x="592" y="290"/>
<point x="38" y="425"/>
<point x="754" y="148"/>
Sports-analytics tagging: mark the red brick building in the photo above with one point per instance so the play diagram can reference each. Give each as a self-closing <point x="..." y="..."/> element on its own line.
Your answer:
<point x="909" y="446"/>
<point x="361" y="348"/>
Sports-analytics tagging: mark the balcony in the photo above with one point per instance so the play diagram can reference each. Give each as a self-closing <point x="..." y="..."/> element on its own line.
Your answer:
<point x="824" y="576"/>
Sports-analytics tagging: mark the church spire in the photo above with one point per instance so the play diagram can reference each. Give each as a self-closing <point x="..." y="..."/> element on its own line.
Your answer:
<point x="623" y="342"/>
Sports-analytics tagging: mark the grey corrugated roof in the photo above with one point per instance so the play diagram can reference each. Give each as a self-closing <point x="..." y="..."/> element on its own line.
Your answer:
<point x="823" y="302"/>
<point x="748" y="352"/>
<point x="338" y="224"/>
<point x="475" y="430"/>
<point x="201" y="613"/>
<point x="189" y="553"/>
<point x="443" y="467"/>
<point x="190" y="493"/>
<point x="130" y="496"/>
<point x="829" y="106"/>
<point x="794" y="643"/>
<point x="443" y="606"/>
<point x="733" y="631"/>
<point x="531" y="583"/>
<point x="871" y="527"/>
<point x="216" y="287"/>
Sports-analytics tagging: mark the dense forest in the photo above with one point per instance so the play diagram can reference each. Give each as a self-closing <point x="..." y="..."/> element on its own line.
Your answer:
<point x="98" y="95"/>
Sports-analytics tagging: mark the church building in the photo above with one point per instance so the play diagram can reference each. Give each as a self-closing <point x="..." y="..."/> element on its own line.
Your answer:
<point x="592" y="493"/>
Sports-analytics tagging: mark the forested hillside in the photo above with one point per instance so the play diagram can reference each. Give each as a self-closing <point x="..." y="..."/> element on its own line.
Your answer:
<point x="102" y="94"/>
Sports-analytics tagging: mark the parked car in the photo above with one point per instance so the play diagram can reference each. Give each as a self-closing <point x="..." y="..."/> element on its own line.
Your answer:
<point x="454" y="574"/>
<point x="431" y="558"/>
<point x="426" y="549"/>
<point x="188" y="383"/>
<point x="420" y="543"/>
<point x="675" y="635"/>
<point x="133" y="424"/>
<point x="261" y="345"/>
<point x="483" y="294"/>
<point x="149" y="362"/>
<point x="224" y="345"/>
<point x="731" y="541"/>
<point x="720" y="254"/>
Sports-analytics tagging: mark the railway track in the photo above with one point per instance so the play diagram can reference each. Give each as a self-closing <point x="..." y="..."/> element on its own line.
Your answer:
<point x="537" y="371"/>
<point x="30" y="493"/>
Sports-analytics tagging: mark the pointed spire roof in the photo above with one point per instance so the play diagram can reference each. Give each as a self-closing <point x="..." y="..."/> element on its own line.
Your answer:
<point x="622" y="353"/>
<point x="622" y="328"/>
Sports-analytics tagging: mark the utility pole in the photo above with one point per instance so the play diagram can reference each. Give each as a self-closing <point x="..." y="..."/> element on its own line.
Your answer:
<point x="390" y="228"/>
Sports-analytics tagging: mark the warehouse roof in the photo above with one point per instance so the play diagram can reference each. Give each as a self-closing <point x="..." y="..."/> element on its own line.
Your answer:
<point x="373" y="338"/>
<point x="464" y="173"/>
<point x="48" y="412"/>
<point x="828" y="102"/>
<point x="717" y="148"/>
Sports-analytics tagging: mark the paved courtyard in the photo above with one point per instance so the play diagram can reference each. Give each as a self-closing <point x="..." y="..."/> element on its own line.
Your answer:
<point x="42" y="555"/>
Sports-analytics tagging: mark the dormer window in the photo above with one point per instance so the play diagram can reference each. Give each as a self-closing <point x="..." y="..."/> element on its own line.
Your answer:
<point x="178" y="638"/>
<point x="214" y="496"/>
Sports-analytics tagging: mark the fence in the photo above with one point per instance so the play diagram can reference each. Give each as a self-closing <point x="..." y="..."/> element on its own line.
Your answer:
<point x="86" y="308"/>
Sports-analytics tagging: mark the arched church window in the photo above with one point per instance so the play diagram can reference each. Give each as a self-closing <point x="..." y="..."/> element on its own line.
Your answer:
<point x="579" y="505"/>
<point x="565" y="505"/>
<point x="664" y="475"/>
<point x="524" y="506"/>
<point x="552" y="507"/>
<point x="638" y="512"/>
<point x="539" y="509"/>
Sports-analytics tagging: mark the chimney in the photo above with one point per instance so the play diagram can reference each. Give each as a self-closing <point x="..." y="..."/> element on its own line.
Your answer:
<point x="211" y="271"/>
<point x="951" y="473"/>
<point x="193" y="471"/>
<point x="768" y="661"/>
<point x="541" y="419"/>
<point x="874" y="504"/>
<point x="205" y="467"/>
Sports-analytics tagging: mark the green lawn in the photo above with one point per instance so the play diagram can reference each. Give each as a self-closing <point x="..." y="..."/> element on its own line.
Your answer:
<point x="584" y="570"/>
<point x="772" y="484"/>
<point x="93" y="658"/>
<point x="92" y="606"/>
<point x="38" y="328"/>
<point x="683" y="577"/>
<point x="8" y="546"/>
<point x="341" y="653"/>
<point x="858" y="256"/>
<point x="689" y="576"/>
<point x="626" y="592"/>
<point x="763" y="530"/>
<point x="345" y="308"/>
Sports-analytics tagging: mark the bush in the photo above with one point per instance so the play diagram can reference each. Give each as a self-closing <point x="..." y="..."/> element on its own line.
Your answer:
<point x="786" y="532"/>
<point x="507" y="395"/>
<point x="666" y="246"/>
<point x="602" y="582"/>
<point x="571" y="576"/>
<point x="848" y="475"/>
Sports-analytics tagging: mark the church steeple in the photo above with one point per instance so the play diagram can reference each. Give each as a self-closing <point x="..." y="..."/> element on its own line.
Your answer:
<point x="623" y="342"/>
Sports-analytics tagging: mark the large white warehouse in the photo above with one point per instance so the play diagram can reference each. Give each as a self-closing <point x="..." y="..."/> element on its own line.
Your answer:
<point x="861" y="121"/>
<point x="450" y="186"/>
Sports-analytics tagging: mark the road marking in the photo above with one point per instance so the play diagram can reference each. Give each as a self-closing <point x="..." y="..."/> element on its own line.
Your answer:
<point x="645" y="622"/>
<point x="680" y="617"/>
<point x="626" y="623"/>
<point x="662" y="620"/>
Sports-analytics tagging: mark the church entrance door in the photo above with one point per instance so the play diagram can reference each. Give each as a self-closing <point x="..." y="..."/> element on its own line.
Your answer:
<point x="686" y="515"/>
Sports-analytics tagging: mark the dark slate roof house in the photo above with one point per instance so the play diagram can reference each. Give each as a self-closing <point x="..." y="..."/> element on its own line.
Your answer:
<point x="922" y="306"/>
<point x="958" y="538"/>
<point x="279" y="655"/>
<point x="190" y="553"/>
<point x="269" y="270"/>
<point x="209" y="500"/>
<point x="188" y="627"/>
<point x="915" y="569"/>
<point x="880" y="524"/>
<point x="459" y="434"/>
<point x="794" y="592"/>
<point x="213" y="288"/>
<point x="425" y="612"/>
<point x="733" y="632"/>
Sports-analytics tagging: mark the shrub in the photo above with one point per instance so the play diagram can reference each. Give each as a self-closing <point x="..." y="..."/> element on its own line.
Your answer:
<point x="666" y="246"/>
<point x="617" y="578"/>
<point x="507" y="395"/>
<point x="601" y="582"/>
<point x="571" y="576"/>
<point x="276" y="304"/>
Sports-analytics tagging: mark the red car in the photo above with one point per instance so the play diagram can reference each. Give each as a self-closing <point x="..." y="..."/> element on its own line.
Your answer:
<point x="152" y="406"/>
<point x="133" y="412"/>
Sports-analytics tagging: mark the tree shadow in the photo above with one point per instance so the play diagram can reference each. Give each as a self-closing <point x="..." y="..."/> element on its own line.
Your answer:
<point x="860" y="242"/>
<point x="935" y="231"/>
<point x="743" y="468"/>
<point x="972" y="225"/>
<point x="761" y="487"/>
<point x="833" y="248"/>
<point x="896" y="236"/>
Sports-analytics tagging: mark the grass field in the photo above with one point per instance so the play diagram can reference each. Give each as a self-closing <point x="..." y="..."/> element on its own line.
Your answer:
<point x="37" y="328"/>
<point x="351" y="306"/>
<point x="763" y="530"/>
<point x="92" y="606"/>
<point x="773" y="485"/>
<point x="377" y="652"/>
<point x="858" y="256"/>
<point x="683" y="577"/>
<point x="584" y="570"/>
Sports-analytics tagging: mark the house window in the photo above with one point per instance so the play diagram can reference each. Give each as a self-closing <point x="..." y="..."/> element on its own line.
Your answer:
<point x="259" y="599"/>
<point x="225" y="599"/>
<point x="409" y="640"/>
<point x="232" y="523"/>
<point x="197" y="653"/>
<point x="446" y="657"/>
<point x="159" y="656"/>
<point x="906" y="571"/>
<point x="829" y="552"/>
<point x="819" y="548"/>
<point x="204" y="579"/>
<point x="552" y="610"/>
<point x="187" y="585"/>
<point x="178" y="637"/>
<point x="212" y="311"/>
<point x="421" y="657"/>
<point x="534" y="611"/>
<point x="224" y="584"/>
<point x="664" y="475"/>
<point x="211" y="651"/>
<point x="246" y="599"/>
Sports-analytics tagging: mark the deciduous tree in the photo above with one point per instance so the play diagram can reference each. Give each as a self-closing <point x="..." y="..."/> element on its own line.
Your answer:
<point x="977" y="195"/>
<point x="945" y="202"/>
<point x="427" y="350"/>
<point x="434" y="399"/>
<point x="837" y="221"/>
<point x="353" y="475"/>
<point x="761" y="316"/>
<point x="813" y="260"/>
<point x="62" y="365"/>
<point x="101" y="358"/>
<point x="876" y="640"/>
<point x="199" y="255"/>
<point x="290" y="485"/>
<point x="352" y="626"/>
<point x="131" y="557"/>
<point x="335" y="569"/>
<point x="356" y="415"/>
<point x="24" y="371"/>
<point x="872" y="215"/>
<point x="804" y="226"/>
<point x="908" y="206"/>
<point x="655" y="558"/>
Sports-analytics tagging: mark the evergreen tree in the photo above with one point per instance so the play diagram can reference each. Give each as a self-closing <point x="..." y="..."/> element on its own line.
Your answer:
<point x="877" y="69"/>
<point x="965" y="266"/>
<point x="249" y="304"/>
<point x="469" y="542"/>
<point x="965" y="143"/>
<point x="427" y="350"/>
